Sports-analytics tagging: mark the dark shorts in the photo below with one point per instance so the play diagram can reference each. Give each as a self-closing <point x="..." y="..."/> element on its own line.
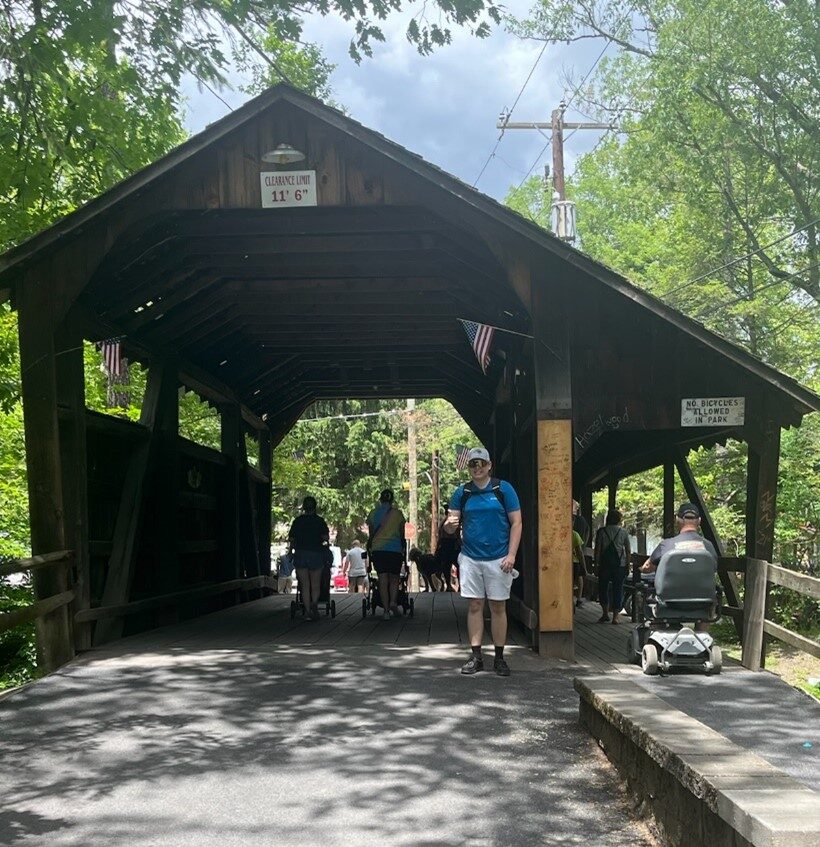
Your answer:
<point x="311" y="560"/>
<point x="385" y="561"/>
<point x="576" y="570"/>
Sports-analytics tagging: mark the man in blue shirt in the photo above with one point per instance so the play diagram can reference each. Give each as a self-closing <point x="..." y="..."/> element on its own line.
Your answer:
<point x="489" y="514"/>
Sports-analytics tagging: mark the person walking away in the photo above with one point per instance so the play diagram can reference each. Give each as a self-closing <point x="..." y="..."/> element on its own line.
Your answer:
<point x="579" y="567"/>
<point x="579" y="523"/>
<point x="284" y="572"/>
<point x="355" y="568"/>
<point x="489" y="514"/>
<point x="447" y="550"/>
<point x="612" y="556"/>
<point x="309" y="538"/>
<point x="386" y="549"/>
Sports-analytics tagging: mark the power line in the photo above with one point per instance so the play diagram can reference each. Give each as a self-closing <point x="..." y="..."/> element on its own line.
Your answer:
<point x="515" y="103"/>
<point x="738" y="259"/>
<point x="573" y="95"/>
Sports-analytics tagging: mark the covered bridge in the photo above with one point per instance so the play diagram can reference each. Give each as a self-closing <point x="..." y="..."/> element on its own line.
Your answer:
<point x="347" y="277"/>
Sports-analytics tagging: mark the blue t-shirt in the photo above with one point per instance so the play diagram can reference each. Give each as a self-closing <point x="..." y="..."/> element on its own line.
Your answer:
<point x="484" y="524"/>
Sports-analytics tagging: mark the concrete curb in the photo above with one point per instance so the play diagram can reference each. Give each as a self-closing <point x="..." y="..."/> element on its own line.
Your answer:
<point x="700" y="787"/>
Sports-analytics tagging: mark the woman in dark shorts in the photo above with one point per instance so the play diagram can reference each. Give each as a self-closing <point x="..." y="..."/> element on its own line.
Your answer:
<point x="309" y="537"/>
<point x="386" y="547"/>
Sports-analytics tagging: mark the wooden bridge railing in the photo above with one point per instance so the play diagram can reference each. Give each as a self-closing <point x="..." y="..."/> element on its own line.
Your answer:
<point x="759" y="576"/>
<point x="45" y="605"/>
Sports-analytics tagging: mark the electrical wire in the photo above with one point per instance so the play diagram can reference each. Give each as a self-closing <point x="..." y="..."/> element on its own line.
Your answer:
<point x="738" y="259"/>
<point x="515" y="103"/>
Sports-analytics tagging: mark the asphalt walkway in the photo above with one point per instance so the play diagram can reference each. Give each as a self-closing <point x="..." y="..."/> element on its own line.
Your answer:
<point x="246" y="727"/>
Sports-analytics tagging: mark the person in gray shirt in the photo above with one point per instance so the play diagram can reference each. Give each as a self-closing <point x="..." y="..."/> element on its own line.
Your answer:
<point x="688" y="539"/>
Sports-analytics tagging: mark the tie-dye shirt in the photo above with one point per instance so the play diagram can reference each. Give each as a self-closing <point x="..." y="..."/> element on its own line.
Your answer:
<point x="386" y="526"/>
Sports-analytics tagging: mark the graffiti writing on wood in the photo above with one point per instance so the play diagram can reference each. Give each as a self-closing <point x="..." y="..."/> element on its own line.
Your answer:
<point x="765" y="519"/>
<point x="600" y="425"/>
<point x="555" y="489"/>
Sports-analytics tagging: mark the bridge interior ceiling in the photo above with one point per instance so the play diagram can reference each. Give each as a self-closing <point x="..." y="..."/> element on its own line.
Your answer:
<point x="308" y="304"/>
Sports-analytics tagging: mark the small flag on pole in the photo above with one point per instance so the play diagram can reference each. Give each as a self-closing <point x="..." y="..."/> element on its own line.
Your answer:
<point x="461" y="456"/>
<point x="115" y="368"/>
<point x="481" y="338"/>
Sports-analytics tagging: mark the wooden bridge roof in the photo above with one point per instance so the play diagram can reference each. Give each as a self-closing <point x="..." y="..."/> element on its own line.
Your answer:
<point x="360" y="296"/>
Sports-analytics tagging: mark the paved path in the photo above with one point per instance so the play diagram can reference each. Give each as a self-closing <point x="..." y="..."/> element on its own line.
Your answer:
<point x="758" y="711"/>
<point x="246" y="728"/>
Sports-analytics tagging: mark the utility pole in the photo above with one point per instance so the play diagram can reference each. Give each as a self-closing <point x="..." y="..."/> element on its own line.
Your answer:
<point x="563" y="210"/>
<point x="412" y="472"/>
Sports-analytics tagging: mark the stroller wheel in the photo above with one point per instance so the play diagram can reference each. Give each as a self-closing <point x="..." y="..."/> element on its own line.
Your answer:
<point x="364" y="609"/>
<point x="412" y="606"/>
<point x="649" y="659"/>
<point x="333" y="608"/>
<point x="716" y="658"/>
<point x="292" y="609"/>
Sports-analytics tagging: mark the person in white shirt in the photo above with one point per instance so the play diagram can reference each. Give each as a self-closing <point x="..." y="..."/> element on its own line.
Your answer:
<point x="355" y="568"/>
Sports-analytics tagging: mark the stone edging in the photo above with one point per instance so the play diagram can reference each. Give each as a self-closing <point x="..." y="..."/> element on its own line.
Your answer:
<point x="701" y="788"/>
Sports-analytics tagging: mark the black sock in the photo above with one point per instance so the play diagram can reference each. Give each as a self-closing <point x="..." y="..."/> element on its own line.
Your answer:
<point x="499" y="652"/>
<point x="477" y="651"/>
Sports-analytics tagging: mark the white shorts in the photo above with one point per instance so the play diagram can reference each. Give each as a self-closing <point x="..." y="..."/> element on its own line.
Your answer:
<point x="481" y="579"/>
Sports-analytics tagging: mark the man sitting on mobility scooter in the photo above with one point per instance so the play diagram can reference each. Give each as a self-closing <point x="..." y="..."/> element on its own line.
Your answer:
<point x="684" y="592"/>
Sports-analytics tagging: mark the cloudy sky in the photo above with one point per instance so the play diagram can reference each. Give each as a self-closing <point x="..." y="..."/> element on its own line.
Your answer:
<point x="445" y="106"/>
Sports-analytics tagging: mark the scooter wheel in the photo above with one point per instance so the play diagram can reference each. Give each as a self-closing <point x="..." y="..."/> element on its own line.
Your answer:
<point x="649" y="659"/>
<point x="333" y="608"/>
<point x="364" y="609"/>
<point x="716" y="658"/>
<point x="412" y="606"/>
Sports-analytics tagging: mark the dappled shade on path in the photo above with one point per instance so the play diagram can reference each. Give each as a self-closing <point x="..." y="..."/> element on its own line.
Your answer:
<point x="212" y="733"/>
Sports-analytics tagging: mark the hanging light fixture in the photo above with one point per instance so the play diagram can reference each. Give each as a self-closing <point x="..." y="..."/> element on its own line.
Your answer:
<point x="283" y="154"/>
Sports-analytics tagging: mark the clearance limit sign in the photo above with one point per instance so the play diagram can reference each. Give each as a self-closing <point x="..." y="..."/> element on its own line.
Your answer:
<point x="283" y="189"/>
<point x="713" y="411"/>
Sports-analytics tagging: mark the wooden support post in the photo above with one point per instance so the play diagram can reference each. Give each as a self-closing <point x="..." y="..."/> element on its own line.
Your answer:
<point x="231" y="419"/>
<point x="264" y="512"/>
<point x="761" y="499"/>
<point x="435" y="507"/>
<point x="553" y="398"/>
<point x="612" y="491"/>
<point x="45" y="484"/>
<point x="693" y="492"/>
<point x="754" y="612"/>
<point x="160" y="395"/>
<point x="70" y="375"/>
<point x="668" y="498"/>
<point x="164" y="484"/>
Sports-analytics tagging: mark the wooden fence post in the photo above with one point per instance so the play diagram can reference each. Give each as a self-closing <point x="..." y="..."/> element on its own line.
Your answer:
<point x="754" y="611"/>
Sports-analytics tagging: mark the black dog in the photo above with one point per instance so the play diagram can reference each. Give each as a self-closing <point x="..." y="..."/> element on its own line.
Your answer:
<point x="429" y="567"/>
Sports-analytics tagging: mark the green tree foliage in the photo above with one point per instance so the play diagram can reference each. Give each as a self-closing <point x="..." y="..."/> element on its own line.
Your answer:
<point x="345" y="452"/>
<point x="716" y="158"/>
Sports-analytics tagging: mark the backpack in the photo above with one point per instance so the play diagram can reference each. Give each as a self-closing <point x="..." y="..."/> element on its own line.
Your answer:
<point x="471" y="488"/>
<point x="610" y="555"/>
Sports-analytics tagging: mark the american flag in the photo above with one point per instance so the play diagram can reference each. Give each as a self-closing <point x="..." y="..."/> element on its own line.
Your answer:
<point x="461" y="456"/>
<point x="481" y="337"/>
<point x="112" y="356"/>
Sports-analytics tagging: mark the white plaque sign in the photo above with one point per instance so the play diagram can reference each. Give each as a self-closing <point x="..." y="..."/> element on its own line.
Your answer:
<point x="281" y="189"/>
<point x="713" y="411"/>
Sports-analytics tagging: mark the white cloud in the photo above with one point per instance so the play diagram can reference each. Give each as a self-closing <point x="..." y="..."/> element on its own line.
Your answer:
<point x="445" y="106"/>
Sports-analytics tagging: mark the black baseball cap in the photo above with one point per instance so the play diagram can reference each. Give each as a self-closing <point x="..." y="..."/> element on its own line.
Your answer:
<point x="688" y="510"/>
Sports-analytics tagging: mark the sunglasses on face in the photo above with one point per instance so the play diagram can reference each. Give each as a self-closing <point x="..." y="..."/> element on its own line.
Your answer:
<point x="476" y="463"/>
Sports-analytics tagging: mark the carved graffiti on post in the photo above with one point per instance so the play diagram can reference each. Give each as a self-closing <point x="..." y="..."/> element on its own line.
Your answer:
<point x="600" y="425"/>
<point x="554" y="523"/>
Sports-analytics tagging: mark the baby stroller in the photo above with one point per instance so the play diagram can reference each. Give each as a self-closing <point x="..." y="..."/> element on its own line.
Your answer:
<point x="684" y="592"/>
<point x="373" y="598"/>
<point x="324" y="597"/>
